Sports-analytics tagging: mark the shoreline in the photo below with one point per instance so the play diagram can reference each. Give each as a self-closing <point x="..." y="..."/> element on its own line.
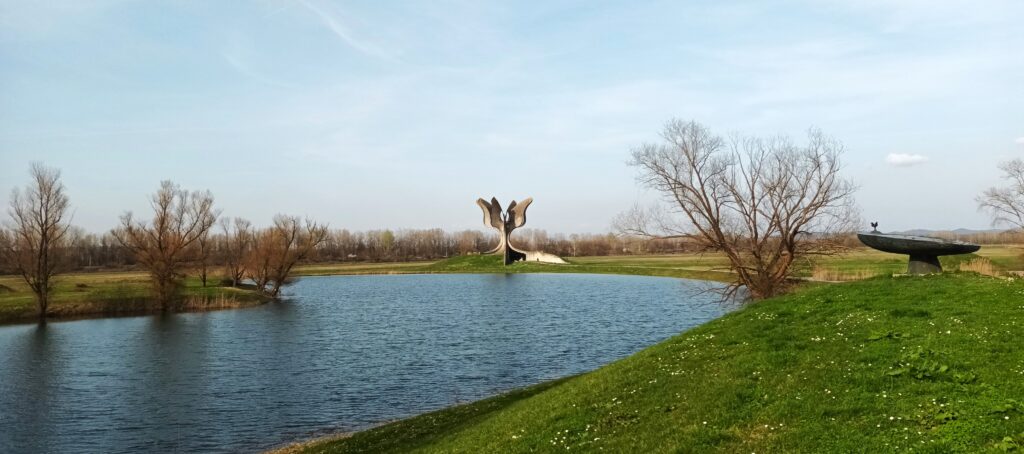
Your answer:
<point x="130" y="298"/>
<point x="103" y="309"/>
<point x="85" y="296"/>
<point x="122" y="293"/>
<point x="304" y="444"/>
<point x="296" y="447"/>
<point x="107" y="291"/>
<point x="130" y="308"/>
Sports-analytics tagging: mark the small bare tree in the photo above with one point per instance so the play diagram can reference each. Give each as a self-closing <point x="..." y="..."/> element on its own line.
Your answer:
<point x="162" y="246"/>
<point x="1006" y="205"/>
<point x="277" y="249"/>
<point x="202" y="252"/>
<point x="238" y="237"/>
<point x="37" y="242"/>
<point x="763" y="203"/>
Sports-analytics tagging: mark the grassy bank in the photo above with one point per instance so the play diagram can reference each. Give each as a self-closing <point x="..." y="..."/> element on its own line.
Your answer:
<point x="928" y="364"/>
<point x="90" y="295"/>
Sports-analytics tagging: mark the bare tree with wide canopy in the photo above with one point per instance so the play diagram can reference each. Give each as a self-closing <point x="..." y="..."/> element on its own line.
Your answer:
<point x="277" y="249"/>
<point x="162" y="246"/>
<point x="38" y="237"/>
<point x="765" y="203"/>
<point x="237" y="242"/>
<point x="1006" y="204"/>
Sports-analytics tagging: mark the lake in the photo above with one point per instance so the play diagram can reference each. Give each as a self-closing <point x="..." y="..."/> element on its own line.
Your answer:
<point x="341" y="353"/>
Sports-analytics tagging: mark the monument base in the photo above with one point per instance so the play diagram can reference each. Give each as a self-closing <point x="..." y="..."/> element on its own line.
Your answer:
<point x="924" y="264"/>
<point x="512" y="255"/>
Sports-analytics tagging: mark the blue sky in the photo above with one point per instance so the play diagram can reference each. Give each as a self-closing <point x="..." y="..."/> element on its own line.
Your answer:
<point x="400" y="114"/>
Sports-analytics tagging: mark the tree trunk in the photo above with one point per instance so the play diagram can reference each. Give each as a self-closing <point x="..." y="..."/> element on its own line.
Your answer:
<point x="44" y="301"/>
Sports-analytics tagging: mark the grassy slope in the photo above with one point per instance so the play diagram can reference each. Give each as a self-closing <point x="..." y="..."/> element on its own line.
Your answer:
<point x="929" y="363"/>
<point x="104" y="294"/>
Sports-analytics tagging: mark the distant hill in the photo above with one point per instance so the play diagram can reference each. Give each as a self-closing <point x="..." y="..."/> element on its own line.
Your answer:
<point x="926" y="232"/>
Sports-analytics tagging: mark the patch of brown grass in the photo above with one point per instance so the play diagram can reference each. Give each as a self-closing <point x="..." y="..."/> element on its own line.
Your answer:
<point x="824" y="274"/>
<point x="221" y="301"/>
<point x="980" y="265"/>
<point x="303" y="446"/>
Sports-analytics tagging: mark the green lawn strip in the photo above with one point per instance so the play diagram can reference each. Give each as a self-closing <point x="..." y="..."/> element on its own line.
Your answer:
<point x="930" y="363"/>
<point x="109" y="294"/>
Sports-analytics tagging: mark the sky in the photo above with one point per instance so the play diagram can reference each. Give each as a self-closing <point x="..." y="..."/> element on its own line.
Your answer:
<point x="370" y="114"/>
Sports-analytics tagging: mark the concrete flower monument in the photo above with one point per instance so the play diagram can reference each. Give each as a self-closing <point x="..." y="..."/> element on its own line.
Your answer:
<point x="505" y="223"/>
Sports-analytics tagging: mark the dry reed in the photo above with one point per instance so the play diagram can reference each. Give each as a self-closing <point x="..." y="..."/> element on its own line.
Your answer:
<point x="980" y="265"/>
<point x="823" y="274"/>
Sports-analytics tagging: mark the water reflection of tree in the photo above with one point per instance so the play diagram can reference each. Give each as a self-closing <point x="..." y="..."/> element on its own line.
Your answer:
<point x="28" y="389"/>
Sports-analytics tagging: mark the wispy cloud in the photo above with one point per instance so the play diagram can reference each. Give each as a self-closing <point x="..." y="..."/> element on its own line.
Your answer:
<point x="345" y="34"/>
<point x="1019" y="141"/>
<point x="905" y="159"/>
<point x="41" y="19"/>
<point x="239" y="64"/>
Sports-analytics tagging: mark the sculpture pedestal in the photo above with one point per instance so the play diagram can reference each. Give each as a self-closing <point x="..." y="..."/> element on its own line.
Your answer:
<point x="924" y="264"/>
<point x="512" y="255"/>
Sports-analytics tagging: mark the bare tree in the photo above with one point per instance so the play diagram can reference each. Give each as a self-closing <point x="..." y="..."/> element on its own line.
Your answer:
<point x="238" y="237"/>
<point x="1006" y="205"/>
<point x="162" y="246"/>
<point x="38" y="240"/>
<point x="277" y="249"/>
<point x="6" y="241"/>
<point x="763" y="203"/>
<point x="202" y="255"/>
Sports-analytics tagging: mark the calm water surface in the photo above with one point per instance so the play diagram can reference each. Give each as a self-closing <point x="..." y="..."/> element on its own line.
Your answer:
<point x="342" y="353"/>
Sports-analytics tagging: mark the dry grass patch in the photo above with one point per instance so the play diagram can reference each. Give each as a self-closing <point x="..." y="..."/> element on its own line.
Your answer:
<point x="824" y="274"/>
<point x="980" y="265"/>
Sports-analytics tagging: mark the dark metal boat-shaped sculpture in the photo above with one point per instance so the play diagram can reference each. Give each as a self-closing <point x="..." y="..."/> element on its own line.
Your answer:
<point x="924" y="251"/>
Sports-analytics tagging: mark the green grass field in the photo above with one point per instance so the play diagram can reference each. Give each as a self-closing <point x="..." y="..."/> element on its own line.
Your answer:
<point x="928" y="364"/>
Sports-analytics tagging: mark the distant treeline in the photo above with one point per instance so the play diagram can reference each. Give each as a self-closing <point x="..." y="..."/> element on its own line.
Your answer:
<point x="1003" y="237"/>
<point x="104" y="251"/>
